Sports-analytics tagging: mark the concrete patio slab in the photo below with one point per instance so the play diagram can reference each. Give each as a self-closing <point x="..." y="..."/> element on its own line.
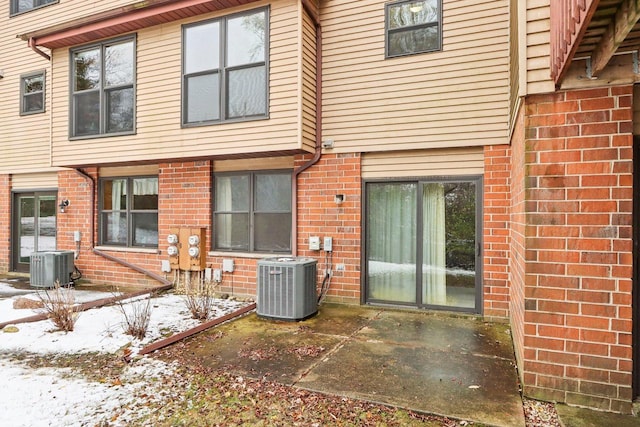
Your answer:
<point x="458" y="366"/>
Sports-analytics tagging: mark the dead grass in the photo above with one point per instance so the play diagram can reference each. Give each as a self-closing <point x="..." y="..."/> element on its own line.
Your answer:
<point x="58" y="304"/>
<point x="199" y="298"/>
<point x="136" y="316"/>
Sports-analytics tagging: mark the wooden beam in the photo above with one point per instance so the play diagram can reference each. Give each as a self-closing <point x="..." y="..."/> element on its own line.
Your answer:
<point x="625" y="19"/>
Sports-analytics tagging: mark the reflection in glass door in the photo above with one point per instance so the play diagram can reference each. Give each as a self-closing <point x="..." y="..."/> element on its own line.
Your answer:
<point x="422" y="243"/>
<point x="34" y="226"/>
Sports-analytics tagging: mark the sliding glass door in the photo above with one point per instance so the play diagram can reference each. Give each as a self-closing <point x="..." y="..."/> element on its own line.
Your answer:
<point x="422" y="243"/>
<point x="34" y="227"/>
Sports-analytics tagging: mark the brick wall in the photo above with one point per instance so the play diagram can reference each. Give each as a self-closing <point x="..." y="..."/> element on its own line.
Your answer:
<point x="496" y="200"/>
<point x="5" y="224"/>
<point x="319" y="215"/>
<point x="185" y="201"/>
<point x="578" y="321"/>
<point x="77" y="217"/>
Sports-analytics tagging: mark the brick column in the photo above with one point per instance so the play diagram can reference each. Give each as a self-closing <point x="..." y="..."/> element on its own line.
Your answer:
<point x="578" y="320"/>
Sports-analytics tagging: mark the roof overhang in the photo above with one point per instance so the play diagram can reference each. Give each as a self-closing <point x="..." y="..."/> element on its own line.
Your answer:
<point x="123" y="20"/>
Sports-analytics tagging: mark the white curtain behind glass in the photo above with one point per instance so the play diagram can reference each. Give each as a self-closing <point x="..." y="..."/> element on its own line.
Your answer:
<point x="224" y="203"/>
<point x="434" y="287"/>
<point x="392" y="242"/>
<point x="118" y="189"/>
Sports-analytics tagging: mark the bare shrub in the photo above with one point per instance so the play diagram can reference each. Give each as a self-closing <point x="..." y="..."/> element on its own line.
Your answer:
<point x="58" y="303"/>
<point x="199" y="298"/>
<point x="136" y="315"/>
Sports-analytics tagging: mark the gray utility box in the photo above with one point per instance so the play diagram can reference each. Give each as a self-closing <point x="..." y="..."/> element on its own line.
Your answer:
<point x="45" y="268"/>
<point x="287" y="288"/>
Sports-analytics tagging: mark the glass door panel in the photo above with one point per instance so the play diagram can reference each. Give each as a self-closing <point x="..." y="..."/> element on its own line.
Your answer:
<point x="26" y="227"/>
<point x="391" y="242"/>
<point x="46" y="223"/>
<point x="449" y="244"/>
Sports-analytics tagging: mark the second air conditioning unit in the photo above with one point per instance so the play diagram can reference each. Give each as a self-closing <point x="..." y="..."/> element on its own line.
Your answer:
<point x="287" y="288"/>
<point x="47" y="268"/>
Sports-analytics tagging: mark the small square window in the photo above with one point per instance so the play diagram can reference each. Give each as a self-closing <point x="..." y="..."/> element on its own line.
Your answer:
<point x="413" y="27"/>
<point x="32" y="93"/>
<point x="129" y="211"/>
<point x="20" y="6"/>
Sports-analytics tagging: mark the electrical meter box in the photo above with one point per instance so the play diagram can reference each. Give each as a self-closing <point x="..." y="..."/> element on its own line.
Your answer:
<point x="193" y="255"/>
<point x="187" y="248"/>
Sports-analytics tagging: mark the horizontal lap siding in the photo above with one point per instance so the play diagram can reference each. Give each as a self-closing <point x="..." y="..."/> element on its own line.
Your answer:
<point x="159" y="134"/>
<point x="454" y="98"/>
<point x="25" y="140"/>
<point x="308" y="82"/>
<point x="32" y="181"/>
<point x="438" y="162"/>
<point x="537" y="45"/>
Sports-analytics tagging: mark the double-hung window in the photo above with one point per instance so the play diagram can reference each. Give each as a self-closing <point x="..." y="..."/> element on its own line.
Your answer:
<point x="225" y="69"/>
<point x="129" y="211"/>
<point x="413" y="27"/>
<point x="32" y="93"/>
<point x="102" y="88"/>
<point x="20" y="6"/>
<point x="253" y="211"/>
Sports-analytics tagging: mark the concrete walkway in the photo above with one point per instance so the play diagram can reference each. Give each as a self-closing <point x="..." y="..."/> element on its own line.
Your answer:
<point x="460" y="367"/>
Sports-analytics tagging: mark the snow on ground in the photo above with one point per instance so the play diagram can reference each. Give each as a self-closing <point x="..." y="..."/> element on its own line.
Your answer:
<point x="54" y="397"/>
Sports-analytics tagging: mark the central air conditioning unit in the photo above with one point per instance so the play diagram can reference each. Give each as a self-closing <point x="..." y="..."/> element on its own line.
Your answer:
<point x="287" y="288"/>
<point x="45" y="268"/>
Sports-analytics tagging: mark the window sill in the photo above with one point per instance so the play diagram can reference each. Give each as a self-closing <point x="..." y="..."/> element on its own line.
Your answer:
<point x="248" y="255"/>
<point x="128" y="249"/>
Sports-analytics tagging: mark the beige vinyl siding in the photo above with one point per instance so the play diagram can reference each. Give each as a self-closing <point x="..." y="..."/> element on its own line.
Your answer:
<point x="308" y="82"/>
<point x="159" y="134"/>
<point x="263" y="163"/>
<point x="25" y="140"/>
<point x="456" y="97"/>
<point x="34" y="181"/>
<point x="537" y="45"/>
<point x="113" y="171"/>
<point x="437" y="162"/>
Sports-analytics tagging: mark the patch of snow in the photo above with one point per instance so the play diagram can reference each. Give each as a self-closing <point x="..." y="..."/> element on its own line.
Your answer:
<point x="51" y="397"/>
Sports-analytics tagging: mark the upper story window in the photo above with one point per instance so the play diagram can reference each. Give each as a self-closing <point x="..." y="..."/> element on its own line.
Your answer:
<point x="129" y="211"/>
<point x="253" y="211"/>
<point x="225" y="69"/>
<point x="19" y="6"/>
<point x="102" y="88"/>
<point x="413" y="27"/>
<point x="32" y="93"/>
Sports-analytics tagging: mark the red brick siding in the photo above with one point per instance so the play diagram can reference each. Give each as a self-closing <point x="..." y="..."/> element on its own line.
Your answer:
<point x="185" y="200"/>
<point x="319" y="215"/>
<point x="77" y="190"/>
<point x="496" y="209"/>
<point x="5" y="222"/>
<point x="578" y="157"/>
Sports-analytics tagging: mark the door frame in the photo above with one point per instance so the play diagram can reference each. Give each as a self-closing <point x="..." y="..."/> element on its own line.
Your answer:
<point x="15" y="264"/>
<point x="478" y="180"/>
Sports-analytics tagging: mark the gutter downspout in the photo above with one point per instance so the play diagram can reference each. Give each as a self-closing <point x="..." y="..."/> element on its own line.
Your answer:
<point x="166" y="284"/>
<point x="318" y="147"/>
<point x="32" y="44"/>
